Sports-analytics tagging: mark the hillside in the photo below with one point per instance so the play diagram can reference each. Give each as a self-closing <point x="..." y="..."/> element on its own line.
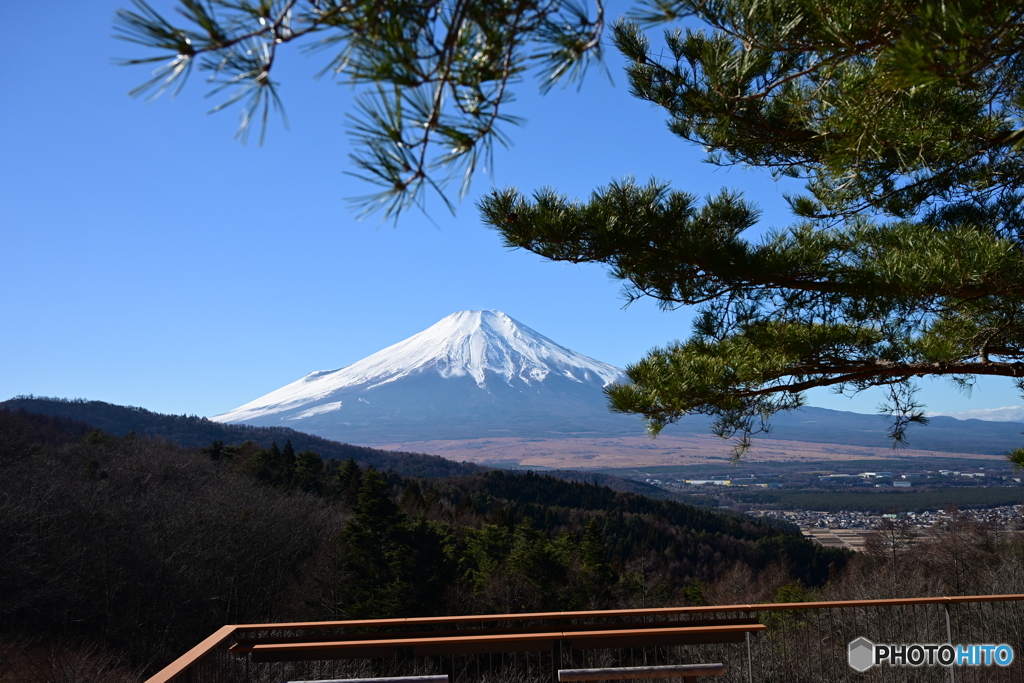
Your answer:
<point x="198" y="432"/>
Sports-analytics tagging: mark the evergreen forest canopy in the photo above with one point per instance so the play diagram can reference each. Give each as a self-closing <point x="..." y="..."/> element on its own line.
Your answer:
<point x="904" y="257"/>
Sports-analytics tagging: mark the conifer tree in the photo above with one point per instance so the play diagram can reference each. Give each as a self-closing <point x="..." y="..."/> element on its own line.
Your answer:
<point x="288" y="456"/>
<point x="308" y="468"/>
<point x="593" y="551"/>
<point x="349" y="478"/>
<point x="598" y="575"/>
<point x="373" y="549"/>
<point x="904" y="259"/>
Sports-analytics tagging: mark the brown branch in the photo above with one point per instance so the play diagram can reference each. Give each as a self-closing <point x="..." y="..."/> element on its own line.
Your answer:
<point x="864" y="370"/>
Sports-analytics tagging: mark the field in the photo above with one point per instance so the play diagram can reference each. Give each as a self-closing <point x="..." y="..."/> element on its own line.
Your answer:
<point x="665" y="451"/>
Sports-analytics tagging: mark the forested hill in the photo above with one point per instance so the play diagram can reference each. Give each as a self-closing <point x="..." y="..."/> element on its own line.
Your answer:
<point x="680" y="543"/>
<point x="533" y="493"/>
<point x="191" y="431"/>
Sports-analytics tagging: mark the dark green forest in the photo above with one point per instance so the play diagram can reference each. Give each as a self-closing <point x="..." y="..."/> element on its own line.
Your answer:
<point x="144" y="547"/>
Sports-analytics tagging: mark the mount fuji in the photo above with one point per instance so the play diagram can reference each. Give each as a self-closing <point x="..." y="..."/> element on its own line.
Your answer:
<point x="474" y="374"/>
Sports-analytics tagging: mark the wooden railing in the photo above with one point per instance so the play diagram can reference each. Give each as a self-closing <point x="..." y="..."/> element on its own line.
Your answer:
<point x="789" y="642"/>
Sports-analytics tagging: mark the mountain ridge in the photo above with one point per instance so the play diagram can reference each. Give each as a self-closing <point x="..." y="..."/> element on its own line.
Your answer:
<point x="192" y="431"/>
<point x="195" y="432"/>
<point x="472" y="373"/>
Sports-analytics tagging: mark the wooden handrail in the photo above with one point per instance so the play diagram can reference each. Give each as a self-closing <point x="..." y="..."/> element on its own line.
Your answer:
<point x="496" y="638"/>
<point x="189" y="658"/>
<point x="650" y="611"/>
<point x="225" y="632"/>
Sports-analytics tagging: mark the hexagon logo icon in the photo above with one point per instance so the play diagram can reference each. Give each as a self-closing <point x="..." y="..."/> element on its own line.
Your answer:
<point x="862" y="654"/>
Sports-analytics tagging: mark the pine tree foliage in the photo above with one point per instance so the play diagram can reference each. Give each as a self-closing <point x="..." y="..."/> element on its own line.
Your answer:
<point x="904" y="259"/>
<point x="441" y="71"/>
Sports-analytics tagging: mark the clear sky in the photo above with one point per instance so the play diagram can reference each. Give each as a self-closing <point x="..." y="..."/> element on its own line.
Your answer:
<point x="150" y="260"/>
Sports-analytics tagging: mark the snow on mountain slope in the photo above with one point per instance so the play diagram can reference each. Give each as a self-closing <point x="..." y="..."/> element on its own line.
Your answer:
<point x="494" y="351"/>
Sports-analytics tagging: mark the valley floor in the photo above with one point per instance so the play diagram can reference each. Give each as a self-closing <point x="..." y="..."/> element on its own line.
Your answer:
<point x="640" y="451"/>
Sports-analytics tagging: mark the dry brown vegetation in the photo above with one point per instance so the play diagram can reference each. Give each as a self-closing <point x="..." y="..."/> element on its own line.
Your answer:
<point x="639" y="451"/>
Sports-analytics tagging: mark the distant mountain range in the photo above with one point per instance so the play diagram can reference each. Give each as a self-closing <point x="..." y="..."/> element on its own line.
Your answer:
<point x="946" y="434"/>
<point x="483" y="374"/>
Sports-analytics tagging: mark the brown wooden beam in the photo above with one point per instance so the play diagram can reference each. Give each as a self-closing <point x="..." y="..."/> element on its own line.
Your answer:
<point x="650" y="611"/>
<point x="624" y="672"/>
<point x="395" y="679"/>
<point x="514" y="642"/>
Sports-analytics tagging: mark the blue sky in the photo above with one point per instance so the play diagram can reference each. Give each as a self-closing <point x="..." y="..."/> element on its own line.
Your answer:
<point x="150" y="260"/>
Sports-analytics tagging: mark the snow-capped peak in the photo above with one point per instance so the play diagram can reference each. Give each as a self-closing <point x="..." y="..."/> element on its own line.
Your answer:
<point x="488" y="346"/>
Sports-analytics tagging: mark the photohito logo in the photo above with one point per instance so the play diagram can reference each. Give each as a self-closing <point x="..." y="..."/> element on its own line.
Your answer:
<point x="864" y="654"/>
